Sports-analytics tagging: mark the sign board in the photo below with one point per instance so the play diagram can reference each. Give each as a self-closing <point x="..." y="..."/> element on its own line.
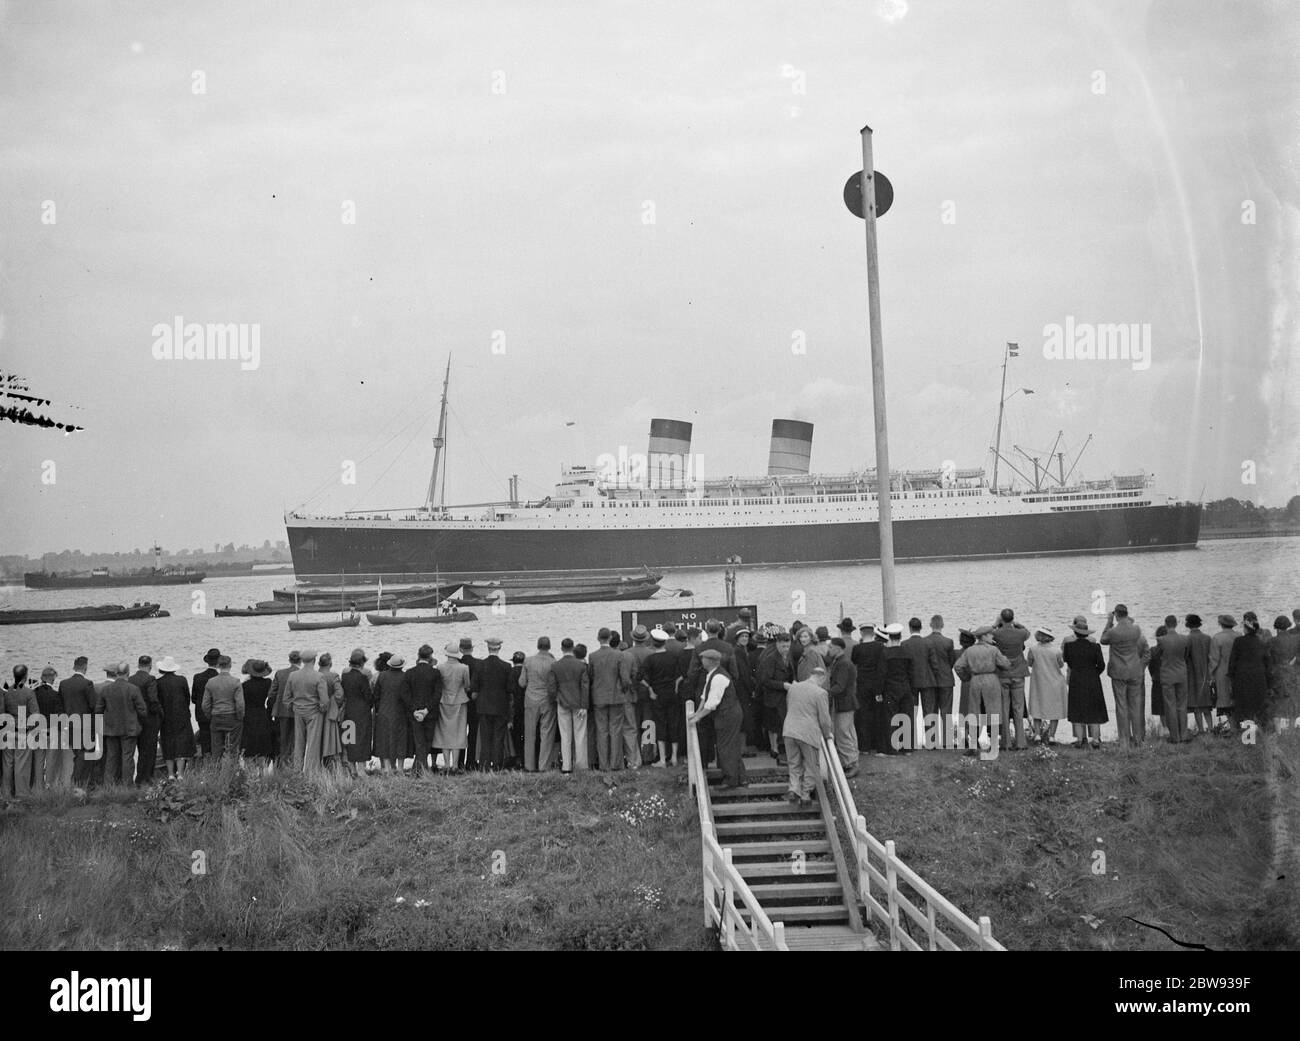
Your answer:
<point x="672" y="617"/>
<point x="853" y="193"/>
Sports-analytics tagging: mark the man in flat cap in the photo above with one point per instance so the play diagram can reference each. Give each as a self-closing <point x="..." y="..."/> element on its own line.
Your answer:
<point x="722" y="704"/>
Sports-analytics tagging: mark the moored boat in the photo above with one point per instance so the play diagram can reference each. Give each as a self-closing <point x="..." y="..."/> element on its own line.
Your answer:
<point x="435" y="619"/>
<point x="102" y="613"/>
<point x="351" y="622"/>
<point x="575" y="595"/>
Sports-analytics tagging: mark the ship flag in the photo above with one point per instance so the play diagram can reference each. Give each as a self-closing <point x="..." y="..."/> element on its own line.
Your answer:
<point x="1013" y="350"/>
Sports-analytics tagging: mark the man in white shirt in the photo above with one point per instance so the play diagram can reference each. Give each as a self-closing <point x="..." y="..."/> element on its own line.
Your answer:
<point x="721" y="702"/>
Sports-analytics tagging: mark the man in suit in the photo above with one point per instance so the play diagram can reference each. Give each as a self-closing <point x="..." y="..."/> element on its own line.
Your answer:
<point x="426" y="698"/>
<point x="1174" y="651"/>
<point x="196" y="696"/>
<point x="491" y="694"/>
<point x="309" y="695"/>
<point x="148" y="742"/>
<point x="867" y="656"/>
<point x="124" y="712"/>
<point x="282" y="709"/>
<point x="637" y="711"/>
<point x="611" y="676"/>
<point x="467" y="757"/>
<point x="53" y="765"/>
<point x="78" y="695"/>
<point x="19" y="701"/>
<point x="1129" y="655"/>
<point x="539" y="710"/>
<point x="569" y="685"/>
<point x="943" y="656"/>
<point x="842" y="686"/>
<point x="917" y="650"/>
<point x="1010" y="637"/>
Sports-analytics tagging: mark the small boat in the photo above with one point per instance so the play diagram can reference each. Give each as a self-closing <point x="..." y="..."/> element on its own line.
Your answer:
<point x="361" y="594"/>
<point x="351" y="622"/>
<point x="323" y="606"/>
<point x="528" y="584"/>
<point x="434" y="619"/>
<point x="576" y="595"/>
<point x="102" y="613"/>
<point x="266" y="608"/>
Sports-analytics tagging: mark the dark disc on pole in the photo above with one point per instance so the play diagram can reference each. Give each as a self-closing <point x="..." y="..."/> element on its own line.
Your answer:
<point x="853" y="194"/>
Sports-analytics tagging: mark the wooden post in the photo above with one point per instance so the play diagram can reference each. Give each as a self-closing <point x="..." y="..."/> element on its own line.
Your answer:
<point x="883" y="485"/>
<point x="864" y="855"/>
<point x="778" y="932"/>
<point x="891" y="875"/>
<point x="986" y="933"/>
<point x="728" y="902"/>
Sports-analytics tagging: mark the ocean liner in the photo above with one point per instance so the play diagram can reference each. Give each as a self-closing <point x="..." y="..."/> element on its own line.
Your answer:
<point x="665" y="515"/>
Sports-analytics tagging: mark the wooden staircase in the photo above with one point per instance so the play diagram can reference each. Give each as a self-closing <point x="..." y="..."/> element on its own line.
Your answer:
<point x="790" y="858"/>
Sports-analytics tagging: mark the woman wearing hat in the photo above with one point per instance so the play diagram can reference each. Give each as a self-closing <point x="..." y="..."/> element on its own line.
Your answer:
<point x="1047" y="687"/>
<point x="979" y="664"/>
<point x="1283" y="652"/>
<point x="1200" y="696"/>
<point x="453" y="715"/>
<point x="1086" y="705"/>
<point x="177" y="730"/>
<point x="255" y="742"/>
<point x="392" y="710"/>
<point x="358" y="704"/>
<point x="1250" y="673"/>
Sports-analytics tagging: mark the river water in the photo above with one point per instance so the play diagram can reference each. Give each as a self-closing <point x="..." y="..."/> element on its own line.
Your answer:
<point x="1221" y="576"/>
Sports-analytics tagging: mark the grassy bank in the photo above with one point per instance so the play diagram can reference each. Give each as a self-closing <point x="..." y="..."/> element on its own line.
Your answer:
<point x="1194" y="840"/>
<point x="466" y="863"/>
<point x="1188" y="834"/>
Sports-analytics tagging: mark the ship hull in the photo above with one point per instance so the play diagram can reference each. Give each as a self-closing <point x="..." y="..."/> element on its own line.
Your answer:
<point x="412" y="552"/>
<point x="42" y="580"/>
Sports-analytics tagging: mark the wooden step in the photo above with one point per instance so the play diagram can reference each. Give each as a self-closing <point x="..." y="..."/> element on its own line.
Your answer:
<point x="807" y="826"/>
<point x="775" y="847"/>
<point x="784" y="868"/>
<point x="813" y="913"/>
<point x="765" y="809"/>
<point x="796" y="890"/>
<point x="754" y="791"/>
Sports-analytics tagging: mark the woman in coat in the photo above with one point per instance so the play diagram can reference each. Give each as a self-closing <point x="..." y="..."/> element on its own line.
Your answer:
<point x="1220" y="651"/>
<point x="1047" y="689"/>
<point x="392" y="710"/>
<point x="453" y="712"/>
<point x="1086" y="703"/>
<point x="331" y="741"/>
<point x="1284" y="663"/>
<point x="1249" y="672"/>
<point x="1153" y="667"/>
<point x="177" y="729"/>
<point x="358" y="703"/>
<point x="1200" y="698"/>
<point x="255" y="741"/>
<point x="809" y="657"/>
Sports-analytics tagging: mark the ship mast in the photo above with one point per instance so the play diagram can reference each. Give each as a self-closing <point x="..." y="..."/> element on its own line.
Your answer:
<point x="438" y="479"/>
<point x="1002" y="400"/>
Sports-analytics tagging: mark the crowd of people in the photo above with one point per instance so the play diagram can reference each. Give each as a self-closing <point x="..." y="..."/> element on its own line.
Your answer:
<point x="866" y="689"/>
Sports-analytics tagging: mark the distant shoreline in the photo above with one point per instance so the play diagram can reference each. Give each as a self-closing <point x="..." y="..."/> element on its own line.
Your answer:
<point x="1247" y="533"/>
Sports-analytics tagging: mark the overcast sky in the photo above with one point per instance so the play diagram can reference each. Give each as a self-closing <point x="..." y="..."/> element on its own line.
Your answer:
<point x="642" y="204"/>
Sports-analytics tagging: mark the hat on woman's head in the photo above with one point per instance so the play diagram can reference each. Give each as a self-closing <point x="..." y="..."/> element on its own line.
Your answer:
<point x="1227" y="621"/>
<point x="396" y="661"/>
<point x="258" y="668"/>
<point x="1042" y="630"/>
<point x="452" y="649"/>
<point x="1080" y="626"/>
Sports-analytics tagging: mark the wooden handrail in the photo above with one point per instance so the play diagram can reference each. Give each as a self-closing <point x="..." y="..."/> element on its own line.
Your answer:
<point x="720" y="877"/>
<point x="890" y="913"/>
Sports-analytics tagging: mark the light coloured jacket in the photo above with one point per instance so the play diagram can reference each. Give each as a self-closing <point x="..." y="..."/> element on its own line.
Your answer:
<point x="1129" y="651"/>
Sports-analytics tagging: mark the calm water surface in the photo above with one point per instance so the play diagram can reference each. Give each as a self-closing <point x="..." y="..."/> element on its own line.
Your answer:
<point x="1228" y="575"/>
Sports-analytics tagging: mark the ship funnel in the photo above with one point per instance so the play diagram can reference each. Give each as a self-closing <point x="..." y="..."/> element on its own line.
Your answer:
<point x="669" y="452"/>
<point x="791" y="450"/>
